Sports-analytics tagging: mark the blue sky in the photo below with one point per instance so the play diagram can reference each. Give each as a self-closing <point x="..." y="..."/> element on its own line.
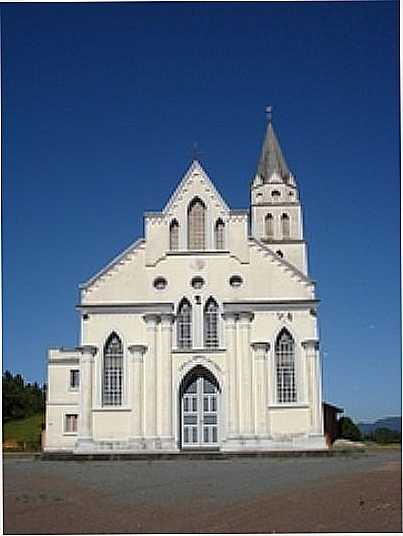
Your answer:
<point x="101" y="105"/>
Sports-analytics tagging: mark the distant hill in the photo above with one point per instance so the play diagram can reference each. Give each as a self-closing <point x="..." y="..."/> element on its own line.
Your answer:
<point x="393" y="423"/>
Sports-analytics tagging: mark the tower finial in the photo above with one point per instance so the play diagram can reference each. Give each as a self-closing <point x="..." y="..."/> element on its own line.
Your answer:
<point x="195" y="151"/>
<point x="269" y="113"/>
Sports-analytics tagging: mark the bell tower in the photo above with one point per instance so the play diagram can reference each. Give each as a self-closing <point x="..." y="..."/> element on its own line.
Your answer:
<point x="276" y="213"/>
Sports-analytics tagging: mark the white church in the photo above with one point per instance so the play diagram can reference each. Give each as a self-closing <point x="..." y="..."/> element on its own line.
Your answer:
<point x="201" y="335"/>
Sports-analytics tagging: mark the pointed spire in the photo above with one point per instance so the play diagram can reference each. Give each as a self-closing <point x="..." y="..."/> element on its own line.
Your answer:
<point x="271" y="158"/>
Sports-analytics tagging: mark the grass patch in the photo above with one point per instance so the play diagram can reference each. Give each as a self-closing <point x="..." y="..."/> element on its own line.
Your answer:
<point x="24" y="431"/>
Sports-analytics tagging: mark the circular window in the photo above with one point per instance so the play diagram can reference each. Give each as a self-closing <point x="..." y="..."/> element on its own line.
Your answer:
<point x="197" y="282"/>
<point x="160" y="283"/>
<point x="235" y="281"/>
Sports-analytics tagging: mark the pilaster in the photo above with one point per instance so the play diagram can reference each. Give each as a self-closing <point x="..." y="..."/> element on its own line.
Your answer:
<point x="136" y="378"/>
<point x="86" y="379"/>
<point x="246" y="409"/>
<point x="165" y="430"/>
<point x="232" y="392"/>
<point x="311" y="347"/>
<point x="150" y="379"/>
<point x="260" y="350"/>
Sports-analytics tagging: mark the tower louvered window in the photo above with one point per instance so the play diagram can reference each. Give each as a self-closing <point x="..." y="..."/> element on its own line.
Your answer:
<point x="219" y="234"/>
<point x="211" y="324"/>
<point x="113" y="372"/>
<point x="184" y="325"/>
<point x="197" y="225"/>
<point x="269" y="228"/>
<point x="174" y="236"/>
<point x="285" y="368"/>
<point x="285" y="225"/>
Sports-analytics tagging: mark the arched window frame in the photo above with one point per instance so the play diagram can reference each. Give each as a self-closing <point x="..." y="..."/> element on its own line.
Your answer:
<point x="211" y="324"/>
<point x="197" y="225"/>
<point x="112" y="371"/>
<point x="174" y="235"/>
<point x="285" y="365"/>
<point x="285" y="225"/>
<point x="184" y="325"/>
<point x="219" y="234"/>
<point x="269" y="225"/>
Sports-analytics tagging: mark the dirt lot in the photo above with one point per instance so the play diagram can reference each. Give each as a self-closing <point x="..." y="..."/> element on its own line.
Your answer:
<point x="352" y="494"/>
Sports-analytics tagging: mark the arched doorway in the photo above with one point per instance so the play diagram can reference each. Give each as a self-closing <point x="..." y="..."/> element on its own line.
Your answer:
<point x="199" y="404"/>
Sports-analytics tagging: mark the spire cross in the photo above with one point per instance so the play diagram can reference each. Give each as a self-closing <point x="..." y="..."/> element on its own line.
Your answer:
<point x="269" y="113"/>
<point x="196" y="153"/>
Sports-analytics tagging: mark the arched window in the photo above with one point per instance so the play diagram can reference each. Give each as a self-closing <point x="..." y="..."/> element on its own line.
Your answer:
<point x="211" y="324"/>
<point x="197" y="225"/>
<point x="219" y="234"/>
<point x="174" y="235"/>
<point x="184" y="325"/>
<point x="269" y="228"/>
<point x="113" y="372"/>
<point x="285" y="225"/>
<point x="285" y="368"/>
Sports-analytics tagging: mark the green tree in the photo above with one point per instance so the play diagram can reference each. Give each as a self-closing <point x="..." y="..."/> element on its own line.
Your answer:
<point x="385" y="435"/>
<point x="349" y="430"/>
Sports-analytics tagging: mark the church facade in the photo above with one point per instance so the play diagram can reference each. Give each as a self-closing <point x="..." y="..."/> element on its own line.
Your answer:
<point x="201" y="335"/>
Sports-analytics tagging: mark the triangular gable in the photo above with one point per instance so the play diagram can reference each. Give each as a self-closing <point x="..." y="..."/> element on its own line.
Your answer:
<point x="195" y="166"/>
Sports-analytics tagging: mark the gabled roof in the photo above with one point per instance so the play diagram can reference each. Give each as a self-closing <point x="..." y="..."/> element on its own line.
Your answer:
<point x="195" y="166"/>
<point x="271" y="158"/>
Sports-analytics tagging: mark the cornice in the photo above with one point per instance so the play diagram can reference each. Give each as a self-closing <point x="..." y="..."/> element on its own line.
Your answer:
<point x="268" y="305"/>
<point x="125" y="308"/>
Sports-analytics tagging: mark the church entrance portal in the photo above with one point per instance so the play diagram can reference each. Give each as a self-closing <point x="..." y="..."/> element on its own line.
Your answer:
<point x="199" y="409"/>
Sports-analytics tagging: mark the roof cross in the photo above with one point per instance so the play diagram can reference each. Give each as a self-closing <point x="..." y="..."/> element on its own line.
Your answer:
<point x="269" y="113"/>
<point x="196" y="153"/>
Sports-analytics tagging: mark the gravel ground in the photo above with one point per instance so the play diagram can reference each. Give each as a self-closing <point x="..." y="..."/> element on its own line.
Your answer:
<point x="360" y="493"/>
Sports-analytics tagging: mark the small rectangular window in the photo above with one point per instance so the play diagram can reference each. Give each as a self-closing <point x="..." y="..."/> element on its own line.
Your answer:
<point x="70" y="424"/>
<point x="74" y="379"/>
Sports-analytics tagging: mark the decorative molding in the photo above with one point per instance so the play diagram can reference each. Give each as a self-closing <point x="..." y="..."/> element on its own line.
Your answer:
<point x="167" y="319"/>
<point x="151" y="320"/>
<point x="310" y="344"/>
<point x="266" y="305"/>
<point x="202" y="252"/>
<point x="198" y="350"/>
<point x="64" y="361"/>
<point x="289" y="405"/>
<point x="230" y="317"/>
<point x="285" y="316"/>
<point x="245" y="317"/>
<point x="119" y="308"/>
<point x="88" y="349"/>
<point x="265" y="346"/>
<point x="137" y="350"/>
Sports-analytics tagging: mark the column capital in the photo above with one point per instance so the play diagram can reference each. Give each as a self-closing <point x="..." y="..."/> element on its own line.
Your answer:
<point x="265" y="346"/>
<point x="88" y="351"/>
<point x="151" y="319"/>
<point x="137" y="350"/>
<point x="310" y="344"/>
<point x="245" y="317"/>
<point x="167" y="319"/>
<point x="230" y="318"/>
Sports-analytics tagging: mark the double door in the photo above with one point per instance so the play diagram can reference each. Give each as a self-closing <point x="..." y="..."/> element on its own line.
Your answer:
<point x="200" y="414"/>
